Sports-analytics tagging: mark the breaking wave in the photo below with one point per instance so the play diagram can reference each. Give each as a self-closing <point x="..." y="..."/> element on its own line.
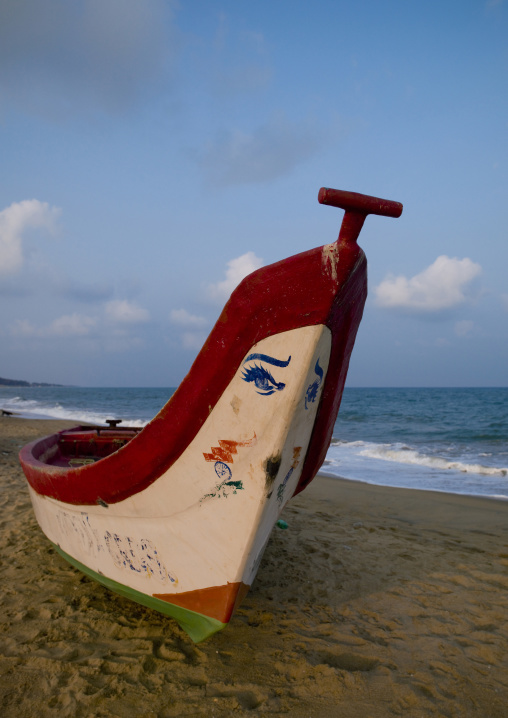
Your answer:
<point x="31" y="408"/>
<point x="402" y="454"/>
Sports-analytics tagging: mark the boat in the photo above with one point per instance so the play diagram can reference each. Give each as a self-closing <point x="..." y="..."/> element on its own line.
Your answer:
<point x="176" y="516"/>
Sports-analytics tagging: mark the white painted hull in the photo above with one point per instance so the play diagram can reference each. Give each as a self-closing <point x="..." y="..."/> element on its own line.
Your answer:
<point x="206" y="521"/>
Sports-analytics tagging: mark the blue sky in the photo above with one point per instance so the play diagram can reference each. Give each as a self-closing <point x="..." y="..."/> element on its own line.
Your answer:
<point x="152" y="153"/>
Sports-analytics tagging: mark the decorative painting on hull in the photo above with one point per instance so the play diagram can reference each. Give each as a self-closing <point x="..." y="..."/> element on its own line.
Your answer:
<point x="226" y="486"/>
<point x="226" y="449"/>
<point x="258" y="374"/>
<point x="312" y="390"/>
<point x="220" y="455"/>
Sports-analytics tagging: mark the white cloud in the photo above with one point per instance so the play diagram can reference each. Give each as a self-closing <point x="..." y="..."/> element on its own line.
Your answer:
<point x="120" y="315"/>
<point x="125" y="312"/>
<point x="443" y="285"/>
<point x="15" y="221"/>
<point x="269" y="151"/>
<point x="236" y="270"/>
<point x="186" y="319"/>
<point x="464" y="328"/>
<point x="71" y="325"/>
<point x="192" y="338"/>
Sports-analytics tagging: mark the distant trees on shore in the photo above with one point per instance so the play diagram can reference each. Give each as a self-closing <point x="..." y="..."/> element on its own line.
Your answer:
<point x="19" y="382"/>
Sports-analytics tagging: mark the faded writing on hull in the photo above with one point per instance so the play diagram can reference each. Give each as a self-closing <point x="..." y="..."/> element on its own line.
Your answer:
<point x="138" y="555"/>
<point x="79" y="527"/>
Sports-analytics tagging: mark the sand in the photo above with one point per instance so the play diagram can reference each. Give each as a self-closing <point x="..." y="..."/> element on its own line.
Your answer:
<point x="374" y="602"/>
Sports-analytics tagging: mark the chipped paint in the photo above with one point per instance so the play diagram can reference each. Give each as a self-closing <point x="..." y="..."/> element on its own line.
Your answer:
<point x="330" y="259"/>
<point x="236" y="403"/>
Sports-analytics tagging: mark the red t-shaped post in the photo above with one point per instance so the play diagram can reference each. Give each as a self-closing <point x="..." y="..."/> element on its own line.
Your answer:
<point x="357" y="207"/>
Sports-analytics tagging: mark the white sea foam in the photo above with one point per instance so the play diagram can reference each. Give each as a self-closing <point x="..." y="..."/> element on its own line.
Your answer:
<point x="32" y="409"/>
<point x="423" y="469"/>
<point x="405" y="455"/>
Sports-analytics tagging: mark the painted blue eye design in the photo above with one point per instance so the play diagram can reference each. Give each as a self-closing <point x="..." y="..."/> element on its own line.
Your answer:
<point x="263" y="381"/>
<point x="312" y="390"/>
<point x="261" y="378"/>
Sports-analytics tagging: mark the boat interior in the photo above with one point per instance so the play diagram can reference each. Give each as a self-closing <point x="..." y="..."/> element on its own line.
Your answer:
<point x="87" y="444"/>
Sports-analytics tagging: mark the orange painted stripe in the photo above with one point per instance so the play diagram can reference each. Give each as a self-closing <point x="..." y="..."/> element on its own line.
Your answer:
<point x="217" y="602"/>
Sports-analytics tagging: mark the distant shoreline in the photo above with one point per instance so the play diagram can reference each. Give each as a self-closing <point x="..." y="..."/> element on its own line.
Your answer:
<point x="20" y="383"/>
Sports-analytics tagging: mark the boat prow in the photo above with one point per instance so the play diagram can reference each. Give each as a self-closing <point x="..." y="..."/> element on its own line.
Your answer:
<point x="176" y="516"/>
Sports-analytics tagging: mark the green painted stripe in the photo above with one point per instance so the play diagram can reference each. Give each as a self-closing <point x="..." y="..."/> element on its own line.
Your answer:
<point x="197" y="625"/>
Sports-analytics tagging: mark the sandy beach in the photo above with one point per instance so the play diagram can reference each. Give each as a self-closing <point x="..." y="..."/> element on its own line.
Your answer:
<point x="374" y="602"/>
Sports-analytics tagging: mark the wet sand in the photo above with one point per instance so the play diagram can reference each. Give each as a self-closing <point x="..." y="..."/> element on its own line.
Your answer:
<point x="374" y="602"/>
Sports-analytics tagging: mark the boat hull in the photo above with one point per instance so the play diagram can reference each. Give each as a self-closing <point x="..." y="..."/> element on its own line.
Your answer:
<point x="190" y="543"/>
<point x="178" y="515"/>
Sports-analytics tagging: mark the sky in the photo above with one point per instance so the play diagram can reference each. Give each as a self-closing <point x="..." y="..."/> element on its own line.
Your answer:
<point x="153" y="153"/>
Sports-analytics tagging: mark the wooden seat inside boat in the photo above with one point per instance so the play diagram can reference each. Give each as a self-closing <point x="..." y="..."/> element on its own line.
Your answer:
<point x="84" y="444"/>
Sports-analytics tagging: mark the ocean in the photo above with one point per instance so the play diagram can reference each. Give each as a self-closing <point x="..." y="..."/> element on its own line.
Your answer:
<point x="452" y="440"/>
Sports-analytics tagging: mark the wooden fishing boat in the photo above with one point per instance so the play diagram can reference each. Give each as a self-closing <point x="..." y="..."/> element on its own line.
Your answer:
<point x="176" y="516"/>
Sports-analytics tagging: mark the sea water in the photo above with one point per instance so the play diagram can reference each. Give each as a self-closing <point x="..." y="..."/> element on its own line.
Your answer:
<point x="453" y="440"/>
